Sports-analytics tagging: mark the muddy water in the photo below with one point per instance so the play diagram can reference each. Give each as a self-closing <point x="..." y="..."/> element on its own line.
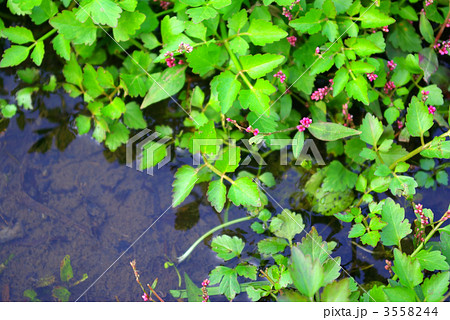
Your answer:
<point x="61" y="194"/>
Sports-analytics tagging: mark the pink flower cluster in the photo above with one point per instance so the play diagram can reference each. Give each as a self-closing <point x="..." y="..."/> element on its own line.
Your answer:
<point x="292" y="40"/>
<point x="447" y="25"/>
<point x="280" y="75"/>
<point x="293" y="4"/>
<point x="388" y="266"/>
<point x="372" y="77"/>
<point x="399" y="124"/>
<point x="419" y="211"/>
<point x="184" y="47"/>
<point x="304" y="123"/>
<point x="391" y="65"/>
<point x="145" y="297"/>
<point x="163" y="4"/>
<point x="348" y="117"/>
<point x="317" y="50"/>
<point x="385" y="29"/>
<point x="287" y="14"/>
<point x="389" y="86"/>
<point x="320" y="93"/>
<point x="428" y="3"/>
<point x="431" y="109"/>
<point x="425" y="95"/>
<point x="205" y="295"/>
<point x="170" y="60"/>
<point x="443" y="47"/>
<point x="446" y="216"/>
<point x="254" y="131"/>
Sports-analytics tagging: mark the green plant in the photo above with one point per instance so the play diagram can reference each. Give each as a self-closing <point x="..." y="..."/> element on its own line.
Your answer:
<point x="367" y="79"/>
<point x="59" y="292"/>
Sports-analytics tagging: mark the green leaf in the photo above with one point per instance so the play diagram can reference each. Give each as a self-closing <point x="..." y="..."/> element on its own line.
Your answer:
<point x="407" y="269"/>
<point x="426" y="29"/>
<point x="83" y="124"/>
<point x="204" y="139"/>
<point x="374" y="18"/>
<point x="312" y="245"/>
<point x="308" y="23"/>
<point x="19" y="35"/>
<point x="337" y="291"/>
<point x="371" y="129"/>
<point x="133" y="116"/>
<point x="435" y="287"/>
<point x="117" y="136"/>
<point x="45" y="11"/>
<point x="244" y="192"/>
<point x="202" y="13"/>
<point x="74" y="30"/>
<point x="329" y="131"/>
<point x="115" y="109"/>
<point x="439" y="148"/>
<point x="62" y="46"/>
<point x="128" y="24"/>
<point x="418" y="119"/>
<point x="263" y="32"/>
<point x="61" y="293"/>
<point x="66" y="272"/>
<point x="229" y="286"/>
<point x="397" y="226"/>
<point x="9" y="110"/>
<point x="371" y="238"/>
<point x="331" y="30"/>
<point x="340" y="80"/>
<point x="298" y="143"/>
<point x="306" y="273"/>
<point x="361" y="67"/>
<point x="272" y="245"/>
<point x="259" y="65"/>
<point x="217" y="194"/>
<point x="404" y="37"/>
<point x="153" y="153"/>
<point x="165" y="85"/>
<point x="357" y="230"/>
<point x="358" y="89"/>
<point x="247" y="271"/>
<point x="432" y="260"/>
<point x="194" y="293"/>
<point x="257" y="99"/>
<point x="227" y="88"/>
<point x="205" y="58"/>
<point x="237" y="21"/>
<point x="428" y="62"/>
<point x="286" y="225"/>
<point x="185" y="179"/>
<point x="435" y="98"/>
<point x="363" y="47"/>
<point x="230" y="160"/>
<point x="226" y="247"/>
<point x="400" y="294"/>
<point x="23" y="97"/>
<point x="100" y="11"/>
<point x="14" y="56"/>
<point x="38" y="53"/>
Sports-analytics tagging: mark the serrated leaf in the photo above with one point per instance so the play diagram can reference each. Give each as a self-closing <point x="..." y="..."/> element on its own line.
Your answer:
<point x="306" y="273"/>
<point x="62" y="46"/>
<point x="407" y="269"/>
<point x="435" y="287"/>
<point x="227" y="88"/>
<point x="185" y="179"/>
<point x="371" y="130"/>
<point x="227" y="247"/>
<point x="337" y="291"/>
<point x="230" y="160"/>
<point x="374" y="18"/>
<point x="272" y="245"/>
<point x="259" y="65"/>
<point x="257" y="99"/>
<point x="244" y="192"/>
<point x="308" y="23"/>
<point x="127" y="25"/>
<point x="358" y="89"/>
<point x="74" y="30"/>
<point x="83" y="124"/>
<point x="217" y="194"/>
<point x="397" y="226"/>
<point x="118" y="135"/>
<point x="330" y="131"/>
<point x="340" y="81"/>
<point x="14" y="56"/>
<point x="262" y="32"/>
<point x="202" y="13"/>
<point x="418" y="119"/>
<point x="18" y="35"/>
<point x="432" y="260"/>
<point x="133" y="116"/>
<point x="286" y="225"/>
<point x="100" y="11"/>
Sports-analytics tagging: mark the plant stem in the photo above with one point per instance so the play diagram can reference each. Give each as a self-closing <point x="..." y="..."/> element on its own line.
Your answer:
<point x="438" y="36"/>
<point x="416" y="151"/>
<point x="48" y="34"/>
<point x="154" y="292"/>
<point x="233" y="57"/>
<point x="164" y="12"/>
<point x="196" y="243"/>
<point x="213" y="169"/>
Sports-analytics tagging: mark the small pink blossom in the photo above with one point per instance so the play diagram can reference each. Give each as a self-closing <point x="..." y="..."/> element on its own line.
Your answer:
<point x="385" y="29"/>
<point x="301" y="128"/>
<point x="320" y="93"/>
<point x="317" y="50"/>
<point x="305" y="122"/>
<point x="280" y="75"/>
<point x="206" y="283"/>
<point x="431" y="109"/>
<point x="391" y="65"/>
<point x="145" y="297"/>
<point x="249" y="129"/>
<point x="389" y="86"/>
<point x="399" y="124"/>
<point x="372" y="76"/>
<point x="255" y="132"/>
<point x="292" y="40"/>
<point x="428" y="3"/>
<point x="388" y="266"/>
<point x="287" y="14"/>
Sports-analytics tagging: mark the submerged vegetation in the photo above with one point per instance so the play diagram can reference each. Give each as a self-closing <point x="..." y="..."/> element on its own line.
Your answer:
<point x="351" y="92"/>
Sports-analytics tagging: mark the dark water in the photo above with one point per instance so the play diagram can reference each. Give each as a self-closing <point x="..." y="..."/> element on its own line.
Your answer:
<point x="73" y="197"/>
